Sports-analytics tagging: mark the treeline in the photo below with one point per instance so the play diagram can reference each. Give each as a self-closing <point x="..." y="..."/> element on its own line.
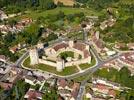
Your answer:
<point x="60" y="19"/>
<point x="33" y="34"/>
<point x="122" y="31"/>
<point x="101" y="4"/>
<point x="17" y="92"/>
<point x="123" y="76"/>
<point x="15" y="6"/>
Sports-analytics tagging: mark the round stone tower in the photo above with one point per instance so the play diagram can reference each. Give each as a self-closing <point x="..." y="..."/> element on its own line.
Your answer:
<point x="60" y="64"/>
<point x="71" y="43"/>
<point x="34" y="57"/>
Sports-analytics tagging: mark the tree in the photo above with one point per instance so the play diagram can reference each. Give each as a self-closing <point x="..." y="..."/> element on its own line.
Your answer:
<point x="51" y="37"/>
<point x="18" y="91"/>
<point x="124" y="75"/>
<point x="46" y="4"/>
<point x="52" y="95"/>
<point x="60" y="15"/>
<point x="70" y="17"/>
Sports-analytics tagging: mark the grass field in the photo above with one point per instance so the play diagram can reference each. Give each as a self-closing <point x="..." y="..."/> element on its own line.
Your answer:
<point x="82" y="78"/>
<point x="66" y="10"/>
<point x="67" y="71"/>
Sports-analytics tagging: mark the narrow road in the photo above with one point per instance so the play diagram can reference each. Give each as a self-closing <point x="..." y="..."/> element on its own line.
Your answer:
<point x="90" y="72"/>
<point x="19" y="61"/>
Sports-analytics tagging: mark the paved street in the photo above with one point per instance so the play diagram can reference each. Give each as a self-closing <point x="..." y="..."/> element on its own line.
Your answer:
<point x="19" y="61"/>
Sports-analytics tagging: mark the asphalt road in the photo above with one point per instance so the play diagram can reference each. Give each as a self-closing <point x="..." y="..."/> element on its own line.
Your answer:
<point x="19" y="61"/>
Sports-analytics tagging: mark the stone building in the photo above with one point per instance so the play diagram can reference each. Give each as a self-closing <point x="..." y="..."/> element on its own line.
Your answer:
<point x="34" y="57"/>
<point x="52" y="55"/>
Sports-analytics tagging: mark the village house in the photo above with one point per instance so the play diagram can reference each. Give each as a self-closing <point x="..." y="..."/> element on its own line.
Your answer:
<point x="3" y="58"/>
<point x="33" y="95"/>
<point x="39" y="79"/>
<point x="115" y="64"/>
<point x="17" y="27"/>
<point x="97" y="42"/>
<point x="99" y="91"/>
<point x="104" y="90"/>
<point x="110" y="84"/>
<point x="3" y="15"/>
<point x="130" y="46"/>
<point x="51" y="81"/>
<point x="107" y="23"/>
<point x="30" y="79"/>
<point x="120" y="45"/>
<point x="100" y="47"/>
<point x="15" y="74"/>
<point x="68" y="90"/>
<point x="6" y="86"/>
<point x="33" y="79"/>
<point x="14" y="49"/>
<point x="101" y="88"/>
<point x="4" y="70"/>
<point x="128" y="60"/>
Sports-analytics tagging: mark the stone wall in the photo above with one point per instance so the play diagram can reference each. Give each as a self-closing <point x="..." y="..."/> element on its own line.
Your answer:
<point x="81" y="61"/>
<point x="47" y="62"/>
<point x="71" y="63"/>
<point x="52" y="53"/>
<point x="70" y="49"/>
<point x="33" y="53"/>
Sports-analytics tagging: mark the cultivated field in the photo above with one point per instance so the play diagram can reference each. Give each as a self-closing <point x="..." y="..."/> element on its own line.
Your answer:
<point x="65" y="2"/>
<point x="66" y="10"/>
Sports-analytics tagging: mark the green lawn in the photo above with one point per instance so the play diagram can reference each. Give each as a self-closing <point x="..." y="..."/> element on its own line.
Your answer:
<point x="67" y="71"/>
<point x="66" y="10"/>
<point x="81" y="78"/>
<point x="66" y="54"/>
<point x="86" y="65"/>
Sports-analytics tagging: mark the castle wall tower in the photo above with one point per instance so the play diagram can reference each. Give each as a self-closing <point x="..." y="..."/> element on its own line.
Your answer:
<point x="60" y="65"/>
<point x="34" y="57"/>
<point x="71" y="43"/>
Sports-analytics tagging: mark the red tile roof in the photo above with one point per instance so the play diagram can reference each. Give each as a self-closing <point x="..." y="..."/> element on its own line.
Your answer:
<point x="98" y="42"/>
<point x="101" y="86"/>
<point x="128" y="58"/>
<point x="79" y="46"/>
<point x="62" y="82"/>
<point x="3" y="57"/>
<point x="60" y="46"/>
<point x="32" y="94"/>
<point x="75" y="87"/>
<point x="112" y="92"/>
<point x="14" y="49"/>
<point x="86" y="53"/>
<point x="6" y="86"/>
